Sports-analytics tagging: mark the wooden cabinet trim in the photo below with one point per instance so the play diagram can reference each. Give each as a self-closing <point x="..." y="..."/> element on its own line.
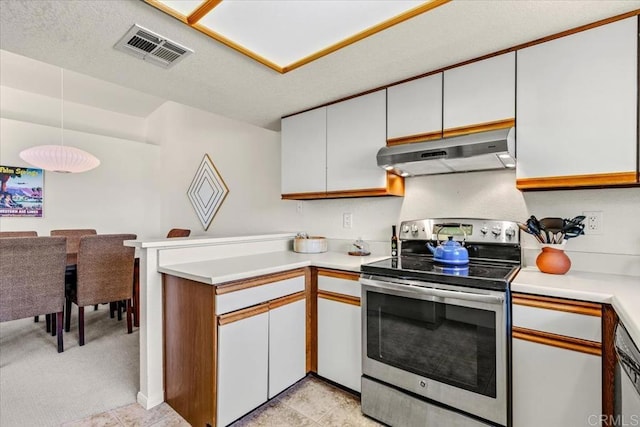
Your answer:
<point x="238" y="285"/>
<point x="189" y="349"/>
<point x="558" y="304"/>
<point x="572" y="181"/>
<point x="609" y="362"/>
<point x="311" y="290"/>
<point x="244" y="313"/>
<point x="480" y="127"/>
<point x="409" y="139"/>
<point x="395" y="187"/>
<point x="333" y="296"/>
<point x="560" y="341"/>
<point x="304" y="196"/>
<point x="289" y="299"/>
<point x="339" y="274"/>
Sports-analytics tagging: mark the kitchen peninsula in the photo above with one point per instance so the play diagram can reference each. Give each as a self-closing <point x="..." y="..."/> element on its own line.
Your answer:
<point x="212" y="261"/>
<point x="218" y="262"/>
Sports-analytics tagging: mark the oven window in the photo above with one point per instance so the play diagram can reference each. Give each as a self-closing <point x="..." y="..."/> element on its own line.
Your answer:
<point x="447" y="343"/>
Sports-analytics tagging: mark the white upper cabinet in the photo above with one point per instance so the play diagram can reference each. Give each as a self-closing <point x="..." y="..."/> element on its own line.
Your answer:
<point x="356" y="130"/>
<point x="481" y="92"/>
<point x="577" y="109"/>
<point x="414" y="108"/>
<point x="330" y="152"/>
<point x="304" y="152"/>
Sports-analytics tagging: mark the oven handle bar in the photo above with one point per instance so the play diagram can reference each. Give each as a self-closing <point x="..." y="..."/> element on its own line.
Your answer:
<point x="442" y="293"/>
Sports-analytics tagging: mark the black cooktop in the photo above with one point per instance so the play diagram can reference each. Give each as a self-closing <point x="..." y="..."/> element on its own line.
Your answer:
<point x="478" y="273"/>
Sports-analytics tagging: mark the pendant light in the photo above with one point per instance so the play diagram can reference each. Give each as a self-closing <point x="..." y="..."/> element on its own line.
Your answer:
<point x="60" y="158"/>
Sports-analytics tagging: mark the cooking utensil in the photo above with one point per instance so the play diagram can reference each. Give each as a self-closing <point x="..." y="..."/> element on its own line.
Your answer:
<point x="574" y="231"/>
<point x="533" y="228"/>
<point x="568" y="223"/>
<point x="552" y="225"/>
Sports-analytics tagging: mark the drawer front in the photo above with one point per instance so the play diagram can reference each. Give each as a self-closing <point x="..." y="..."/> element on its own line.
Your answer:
<point x="339" y="285"/>
<point x="236" y="300"/>
<point x="558" y="322"/>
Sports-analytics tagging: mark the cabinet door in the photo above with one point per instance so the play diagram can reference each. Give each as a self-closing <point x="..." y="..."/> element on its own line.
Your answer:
<point x="243" y="351"/>
<point x="577" y="108"/>
<point x="287" y="346"/>
<point x="339" y="343"/>
<point x="554" y="386"/>
<point x="304" y="156"/>
<point x="480" y="93"/>
<point x="356" y="130"/>
<point x="414" y="109"/>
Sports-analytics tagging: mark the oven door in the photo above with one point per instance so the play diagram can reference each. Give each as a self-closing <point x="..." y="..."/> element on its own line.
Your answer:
<point x="443" y="342"/>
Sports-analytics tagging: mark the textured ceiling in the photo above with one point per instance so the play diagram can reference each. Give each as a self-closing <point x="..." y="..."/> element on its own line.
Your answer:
<point x="79" y="35"/>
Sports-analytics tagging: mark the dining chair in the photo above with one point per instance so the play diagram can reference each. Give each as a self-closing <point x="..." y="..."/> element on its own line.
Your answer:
<point x="178" y="232"/>
<point x="32" y="278"/>
<point x="26" y="234"/>
<point x="18" y="234"/>
<point x="104" y="275"/>
<point x="73" y="236"/>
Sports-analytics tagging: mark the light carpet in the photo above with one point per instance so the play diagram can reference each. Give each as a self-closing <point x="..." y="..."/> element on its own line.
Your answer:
<point x="40" y="387"/>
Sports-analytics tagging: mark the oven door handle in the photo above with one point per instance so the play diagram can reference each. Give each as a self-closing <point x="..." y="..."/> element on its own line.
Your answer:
<point x="442" y="293"/>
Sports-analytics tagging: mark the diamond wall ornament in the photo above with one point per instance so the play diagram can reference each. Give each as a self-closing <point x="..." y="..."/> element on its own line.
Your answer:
<point x="207" y="191"/>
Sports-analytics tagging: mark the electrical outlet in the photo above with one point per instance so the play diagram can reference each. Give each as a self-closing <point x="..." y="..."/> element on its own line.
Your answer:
<point x="347" y="220"/>
<point x="593" y="222"/>
<point x="299" y="207"/>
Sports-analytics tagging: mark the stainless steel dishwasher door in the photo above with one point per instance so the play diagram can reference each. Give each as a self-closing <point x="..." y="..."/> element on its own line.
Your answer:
<point x="628" y="405"/>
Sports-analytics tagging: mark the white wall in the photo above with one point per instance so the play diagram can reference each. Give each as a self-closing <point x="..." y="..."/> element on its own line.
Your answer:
<point x="141" y="187"/>
<point x="119" y="196"/>
<point x="45" y="110"/>
<point x="247" y="158"/>
<point x="492" y="194"/>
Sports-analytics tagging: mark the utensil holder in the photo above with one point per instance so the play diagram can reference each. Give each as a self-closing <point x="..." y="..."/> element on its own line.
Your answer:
<point x="553" y="260"/>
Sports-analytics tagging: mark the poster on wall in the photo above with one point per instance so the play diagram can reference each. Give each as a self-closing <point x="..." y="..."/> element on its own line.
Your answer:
<point x="21" y="191"/>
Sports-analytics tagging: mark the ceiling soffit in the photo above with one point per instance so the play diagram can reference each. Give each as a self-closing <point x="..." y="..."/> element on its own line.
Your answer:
<point x="285" y="35"/>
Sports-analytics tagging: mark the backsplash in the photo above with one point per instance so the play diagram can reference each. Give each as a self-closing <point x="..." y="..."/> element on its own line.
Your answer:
<point x="492" y="194"/>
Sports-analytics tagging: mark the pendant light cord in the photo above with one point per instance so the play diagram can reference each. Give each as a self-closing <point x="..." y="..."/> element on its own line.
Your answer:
<point x="62" y="106"/>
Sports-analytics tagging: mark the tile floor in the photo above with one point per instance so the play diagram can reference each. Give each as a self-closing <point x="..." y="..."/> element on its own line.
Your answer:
<point x="311" y="402"/>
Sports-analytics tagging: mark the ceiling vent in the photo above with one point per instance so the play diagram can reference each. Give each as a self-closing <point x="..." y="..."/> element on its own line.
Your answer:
<point x="152" y="47"/>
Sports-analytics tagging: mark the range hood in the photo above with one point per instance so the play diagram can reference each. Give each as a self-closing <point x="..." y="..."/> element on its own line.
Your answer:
<point x="479" y="151"/>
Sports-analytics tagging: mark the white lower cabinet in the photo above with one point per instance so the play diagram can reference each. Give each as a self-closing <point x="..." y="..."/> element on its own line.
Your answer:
<point x="554" y="387"/>
<point x="262" y="341"/>
<point x="259" y="355"/>
<point x="287" y="346"/>
<point x="557" y="366"/>
<point x="339" y="328"/>
<point x="339" y="343"/>
<point x="243" y="366"/>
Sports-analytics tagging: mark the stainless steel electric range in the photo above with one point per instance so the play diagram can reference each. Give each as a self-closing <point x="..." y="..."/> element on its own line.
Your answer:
<point x="436" y="330"/>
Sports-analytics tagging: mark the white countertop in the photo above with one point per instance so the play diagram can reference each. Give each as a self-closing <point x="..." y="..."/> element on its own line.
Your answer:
<point x="206" y="240"/>
<point x="237" y="268"/>
<point x="622" y="292"/>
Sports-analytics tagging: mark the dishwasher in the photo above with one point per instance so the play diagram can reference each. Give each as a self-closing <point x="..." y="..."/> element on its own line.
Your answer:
<point x="628" y="375"/>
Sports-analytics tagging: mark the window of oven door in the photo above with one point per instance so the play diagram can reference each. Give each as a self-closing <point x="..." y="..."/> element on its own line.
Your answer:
<point x="446" y="342"/>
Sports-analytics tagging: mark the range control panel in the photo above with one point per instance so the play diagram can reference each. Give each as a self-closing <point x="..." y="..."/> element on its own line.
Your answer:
<point x="462" y="229"/>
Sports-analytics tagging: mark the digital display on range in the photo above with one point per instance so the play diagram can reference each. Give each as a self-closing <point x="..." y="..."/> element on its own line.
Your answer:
<point x="444" y="230"/>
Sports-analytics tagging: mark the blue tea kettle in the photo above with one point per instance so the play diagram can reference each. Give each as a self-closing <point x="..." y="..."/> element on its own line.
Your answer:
<point x="450" y="252"/>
